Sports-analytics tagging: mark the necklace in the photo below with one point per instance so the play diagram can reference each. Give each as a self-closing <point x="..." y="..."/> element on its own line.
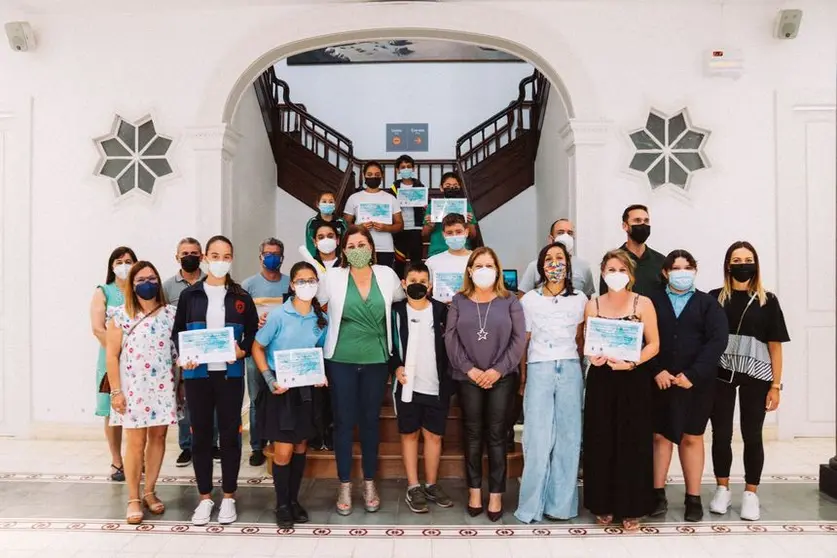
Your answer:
<point x="482" y="335"/>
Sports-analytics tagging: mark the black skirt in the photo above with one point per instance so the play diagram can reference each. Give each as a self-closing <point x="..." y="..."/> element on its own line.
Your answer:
<point x="288" y="418"/>
<point x="618" y="442"/>
<point x="679" y="411"/>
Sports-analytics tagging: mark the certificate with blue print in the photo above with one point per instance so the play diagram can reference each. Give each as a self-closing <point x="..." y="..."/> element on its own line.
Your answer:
<point x="374" y="213"/>
<point x="445" y="285"/>
<point x="206" y="346"/>
<point x="439" y="207"/>
<point x="615" y="339"/>
<point x="299" y="367"/>
<point x="412" y="197"/>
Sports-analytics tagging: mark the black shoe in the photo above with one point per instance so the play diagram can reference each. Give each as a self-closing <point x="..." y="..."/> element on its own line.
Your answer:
<point x="184" y="458"/>
<point x="661" y="507"/>
<point x="298" y="513"/>
<point x="118" y="474"/>
<point x="694" y="509"/>
<point x="257" y="458"/>
<point x="494" y="517"/>
<point x="416" y="500"/>
<point x="216" y="454"/>
<point x="284" y="517"/>
<point x="474" y="512"/>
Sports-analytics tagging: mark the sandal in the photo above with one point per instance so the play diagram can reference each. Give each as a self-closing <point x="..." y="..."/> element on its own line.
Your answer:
<point x="604" y="519"/>
<point x="344" y="499"/>
<point x="118" y="474"/>
<point x="630" y="524"/>
<point x="157" y="507"/>
<point x="134" y="518"/>
<point x="371" y="500"/>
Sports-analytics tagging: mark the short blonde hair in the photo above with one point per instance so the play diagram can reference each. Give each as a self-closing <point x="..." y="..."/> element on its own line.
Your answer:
<point x="625" y="259"/>
<point x="468" y="286"/>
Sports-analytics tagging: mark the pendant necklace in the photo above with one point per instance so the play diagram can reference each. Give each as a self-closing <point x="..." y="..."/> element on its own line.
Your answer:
<point x="482" y="335"/>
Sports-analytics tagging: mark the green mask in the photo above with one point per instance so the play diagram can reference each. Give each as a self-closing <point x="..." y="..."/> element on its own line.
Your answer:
<point x="359" y="257"/>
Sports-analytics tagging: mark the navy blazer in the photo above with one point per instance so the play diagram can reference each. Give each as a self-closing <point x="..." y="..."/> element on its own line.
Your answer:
<point x="694" y="342"/>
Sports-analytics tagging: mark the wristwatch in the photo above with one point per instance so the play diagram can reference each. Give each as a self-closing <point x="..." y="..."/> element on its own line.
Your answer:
<point x="778" y="386"/>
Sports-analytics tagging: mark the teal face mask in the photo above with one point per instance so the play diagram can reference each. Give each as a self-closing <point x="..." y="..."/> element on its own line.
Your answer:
<point x="681" y="279"/>
<point x="406" y="174"/>
<point x="326" y="208"/>
<point x="455" y="242"/>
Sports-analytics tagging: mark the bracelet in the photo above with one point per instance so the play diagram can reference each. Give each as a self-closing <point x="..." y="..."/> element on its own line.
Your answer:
<point x="633" y="366"/>
<point x="115" y="392"/>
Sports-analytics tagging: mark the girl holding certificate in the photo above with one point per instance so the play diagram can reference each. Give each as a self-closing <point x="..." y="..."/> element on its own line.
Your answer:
<point x="485" y="340"/>
<point x="553" y="385"/>
<point x="214" y="303"/>
<point x="288" y="414"/>
<point x="750" y="369"/>
<point x="618" y="425"/>
<point x="142" y="381"/>
<point x="693" y="334"/>
<point x="358" y="346"/>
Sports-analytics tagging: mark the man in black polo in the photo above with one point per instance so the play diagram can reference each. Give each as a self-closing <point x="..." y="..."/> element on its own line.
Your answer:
<point x="649" y="263"/>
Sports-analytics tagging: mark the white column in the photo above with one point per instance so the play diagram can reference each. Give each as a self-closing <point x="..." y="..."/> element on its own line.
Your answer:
<point x="213" y="148"/>
<point x="585" y="142"/>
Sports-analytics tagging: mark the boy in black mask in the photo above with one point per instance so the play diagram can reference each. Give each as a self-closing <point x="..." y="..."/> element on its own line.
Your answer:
<point x="421" y="395"/>
<point x="636" y="223"/>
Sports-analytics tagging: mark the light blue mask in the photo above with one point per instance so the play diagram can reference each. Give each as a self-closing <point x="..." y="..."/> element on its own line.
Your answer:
<point x="681" y="279"/>
<point x="326" y="208"/>
<point x="455" y="242"/>
<point x="406" y="174"/>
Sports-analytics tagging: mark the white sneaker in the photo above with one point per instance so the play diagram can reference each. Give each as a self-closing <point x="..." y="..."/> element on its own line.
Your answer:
<point x="721" y="500"/>
<point x="202" y="513"/>
<point x="227" y="513"/>
<point x="750" y="507"/>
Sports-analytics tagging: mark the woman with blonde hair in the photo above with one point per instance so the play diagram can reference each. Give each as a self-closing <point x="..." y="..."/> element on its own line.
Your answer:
<point x="751" y="368"/>
<point x="485" y="340"/>
<point x="140" y="369"/>
<point x="618" y="422"/>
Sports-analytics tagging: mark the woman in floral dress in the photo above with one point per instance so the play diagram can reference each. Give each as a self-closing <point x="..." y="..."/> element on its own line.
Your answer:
<point x="141" y="372"/>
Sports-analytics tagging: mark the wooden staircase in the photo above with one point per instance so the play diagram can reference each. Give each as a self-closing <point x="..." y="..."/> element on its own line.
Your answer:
<point x="496" y="161"/>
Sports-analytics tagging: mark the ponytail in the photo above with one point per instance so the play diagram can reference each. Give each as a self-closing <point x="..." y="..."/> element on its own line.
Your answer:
<point x="322" y="321"/>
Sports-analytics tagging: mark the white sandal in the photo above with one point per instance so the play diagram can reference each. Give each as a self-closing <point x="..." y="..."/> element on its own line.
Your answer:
<point x="134" y="518"/>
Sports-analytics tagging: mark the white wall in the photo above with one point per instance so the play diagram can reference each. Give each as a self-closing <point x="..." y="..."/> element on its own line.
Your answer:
<point x="512" y="236"/>
<point x="358" y="100"/>
<point x="182" y="63"/>
<point x="552" y="172"/>
<point x="254" y="188"/>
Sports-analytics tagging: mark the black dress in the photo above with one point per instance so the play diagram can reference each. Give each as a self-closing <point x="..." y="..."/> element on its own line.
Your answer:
<point x="619" y="440"/>
<point x="692" y="344"/>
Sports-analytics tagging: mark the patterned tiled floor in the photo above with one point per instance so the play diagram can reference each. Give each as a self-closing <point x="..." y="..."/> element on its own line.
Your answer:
<point x="56" y="501"/>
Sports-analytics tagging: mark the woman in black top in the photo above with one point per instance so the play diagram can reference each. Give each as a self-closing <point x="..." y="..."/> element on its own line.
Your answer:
<point x="693" y="334"/>
<point x="751" y="366"/>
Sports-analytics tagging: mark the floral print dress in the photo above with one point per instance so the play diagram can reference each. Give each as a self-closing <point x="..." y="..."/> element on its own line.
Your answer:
<point x="146" y="370"/>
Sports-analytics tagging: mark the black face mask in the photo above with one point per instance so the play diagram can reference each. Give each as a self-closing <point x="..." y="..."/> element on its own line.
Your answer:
<point x="372" y="182"/>
<point x="639" y="233"/>
<point x="190" y="264"/>
<point x="416" y="291"/>
<point x="452" y="192"/>
<point x="743" y="272"/>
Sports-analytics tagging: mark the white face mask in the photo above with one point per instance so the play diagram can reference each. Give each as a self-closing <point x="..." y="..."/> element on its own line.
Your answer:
<point x="617" y="281"/>
<point x="484" y="277"/>
<point x="306" y="292"/>
<point x="122" y="270"/>
<point x="567" y="241"/>
<point x="219" y="269"/>
<point x="327" y="245"/>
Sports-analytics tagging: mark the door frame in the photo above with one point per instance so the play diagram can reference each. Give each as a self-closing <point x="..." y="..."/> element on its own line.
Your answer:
<point x="793" y="293"/>
<point x="15" y="278"/>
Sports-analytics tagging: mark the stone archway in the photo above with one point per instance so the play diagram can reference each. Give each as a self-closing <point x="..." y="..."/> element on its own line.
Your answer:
<point x="488" y="25"/>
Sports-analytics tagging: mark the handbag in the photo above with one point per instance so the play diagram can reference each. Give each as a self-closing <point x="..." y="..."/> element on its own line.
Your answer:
<point x="726" y="375"/>
<point x="104" y="385"/>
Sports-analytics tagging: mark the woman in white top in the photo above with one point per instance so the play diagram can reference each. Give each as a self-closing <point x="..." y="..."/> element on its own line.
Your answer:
<point x="553" y="385"/>
<point x="359" y="295"/>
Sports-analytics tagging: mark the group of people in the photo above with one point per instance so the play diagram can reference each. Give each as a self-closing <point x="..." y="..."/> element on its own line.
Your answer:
<point x="444" y="327"/>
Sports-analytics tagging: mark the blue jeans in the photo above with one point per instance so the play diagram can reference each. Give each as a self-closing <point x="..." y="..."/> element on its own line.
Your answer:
<point x="551" y="443"/>
<point x="255" y="385"/>
<point x="184" y="430"/>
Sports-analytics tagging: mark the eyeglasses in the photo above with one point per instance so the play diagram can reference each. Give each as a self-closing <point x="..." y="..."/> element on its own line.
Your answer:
<point x="302" y="282"/>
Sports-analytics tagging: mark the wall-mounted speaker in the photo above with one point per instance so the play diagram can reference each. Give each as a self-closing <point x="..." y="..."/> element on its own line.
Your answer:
<point x="787" y="24"/>
<point x="21" y="37"/>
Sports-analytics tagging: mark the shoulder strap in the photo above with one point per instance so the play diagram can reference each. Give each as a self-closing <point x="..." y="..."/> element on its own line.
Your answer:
<point x="741" y="321"/>
<point x="636" y="301"/>
<point x="598" y="313"/>
<point x="136" y="325"/>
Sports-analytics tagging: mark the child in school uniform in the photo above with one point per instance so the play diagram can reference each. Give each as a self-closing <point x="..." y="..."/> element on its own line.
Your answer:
<point x="422" y="393"/>
<point x="288" y="414"/>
